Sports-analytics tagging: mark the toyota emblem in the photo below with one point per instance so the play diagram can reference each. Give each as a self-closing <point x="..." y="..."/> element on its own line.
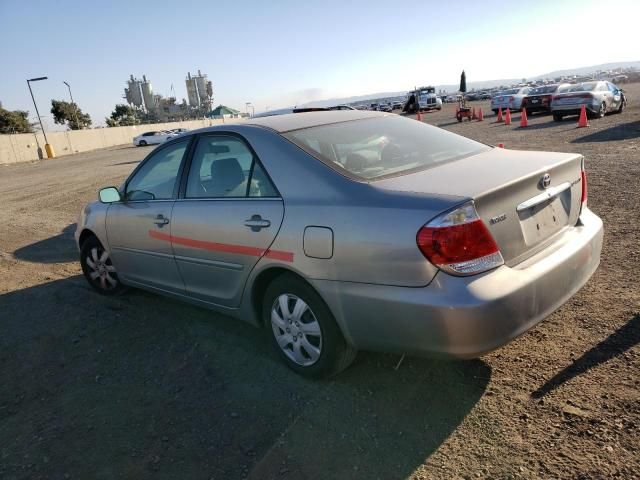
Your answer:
<point x="545" y="181"/>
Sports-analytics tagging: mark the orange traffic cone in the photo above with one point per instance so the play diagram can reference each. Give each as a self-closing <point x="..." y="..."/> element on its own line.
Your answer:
<point x="523" y="119"/>
<point x="480" y="115"/>
<point x="499" y="115"/>
<point x="473" y="114"/>
<point x="582" y="121"/>
<point x="419" y="116"/>
<point x="507" y="117"/>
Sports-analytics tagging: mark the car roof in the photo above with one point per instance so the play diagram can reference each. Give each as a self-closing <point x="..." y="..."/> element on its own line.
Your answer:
<point x="296" y="121"/>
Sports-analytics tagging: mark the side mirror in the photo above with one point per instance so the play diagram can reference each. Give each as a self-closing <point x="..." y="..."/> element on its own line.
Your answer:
<point x="109" y="195"/>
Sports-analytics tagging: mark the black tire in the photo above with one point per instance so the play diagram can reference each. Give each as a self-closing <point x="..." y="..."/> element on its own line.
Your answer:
<point x="495" y="112"/>
<point x="92" y="262"/>
<point x="142" y="143"/>
<point x="603" y="110"/>
<point x="622" y="105"/>
<point x="335" y="353"/>
<point x="557" y="117"/>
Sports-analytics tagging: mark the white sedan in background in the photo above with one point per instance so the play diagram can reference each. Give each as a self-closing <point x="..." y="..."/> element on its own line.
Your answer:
<point x="152" y="138"/>
<point x="511" y="99"/>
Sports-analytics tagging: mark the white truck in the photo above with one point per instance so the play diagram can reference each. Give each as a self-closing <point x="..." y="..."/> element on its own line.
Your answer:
<point x="427" y="98"/>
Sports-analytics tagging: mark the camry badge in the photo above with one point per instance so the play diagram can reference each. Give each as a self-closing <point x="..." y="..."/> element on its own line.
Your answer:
<point x="545" y="181"/>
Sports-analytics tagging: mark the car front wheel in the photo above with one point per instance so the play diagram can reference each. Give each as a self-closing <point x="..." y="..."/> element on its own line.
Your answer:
<point x="557" y="117"/>
<point x="303" y="330"/>
<point x="98" y="268"/>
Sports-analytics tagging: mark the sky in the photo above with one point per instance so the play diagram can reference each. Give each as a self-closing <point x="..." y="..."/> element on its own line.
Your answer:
<point x="280" y="53"/>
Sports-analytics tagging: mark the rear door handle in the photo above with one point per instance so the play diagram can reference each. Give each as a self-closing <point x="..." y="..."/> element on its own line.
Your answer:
<point x="256" y="222"/>
<point x="161" y="220"/>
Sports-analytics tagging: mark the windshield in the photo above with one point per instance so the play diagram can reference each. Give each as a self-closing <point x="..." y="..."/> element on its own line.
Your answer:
<point x="544" y="89"/>
<point x="385" y="146"/>
<point x="583" y="87"/>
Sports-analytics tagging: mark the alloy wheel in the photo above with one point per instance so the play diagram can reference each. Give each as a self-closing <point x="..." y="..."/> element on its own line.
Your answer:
<point x="101" y="271"/>
<point x="296" y="329"/>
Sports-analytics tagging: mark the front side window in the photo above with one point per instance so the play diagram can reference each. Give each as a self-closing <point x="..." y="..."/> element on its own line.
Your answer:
<point x="383" y="146"/>
<point x="224" y="166"/>
<point x="156" y="178"/>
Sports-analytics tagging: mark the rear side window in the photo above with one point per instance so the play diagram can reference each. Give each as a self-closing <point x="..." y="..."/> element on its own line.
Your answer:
<point x="384" y="146"/>
<point x="224" y="166"/>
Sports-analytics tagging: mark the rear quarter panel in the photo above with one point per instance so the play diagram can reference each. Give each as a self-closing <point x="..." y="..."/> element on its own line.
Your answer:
<point x="374" y="230"/>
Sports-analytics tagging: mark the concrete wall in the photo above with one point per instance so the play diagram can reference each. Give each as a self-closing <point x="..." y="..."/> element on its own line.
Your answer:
<point x="23" y="147"/>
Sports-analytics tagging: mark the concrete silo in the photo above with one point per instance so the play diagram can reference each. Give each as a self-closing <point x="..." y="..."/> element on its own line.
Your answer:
<point x="132" y="92"/>
<point x="147" y="94"/>
<point x="192" y="91"/>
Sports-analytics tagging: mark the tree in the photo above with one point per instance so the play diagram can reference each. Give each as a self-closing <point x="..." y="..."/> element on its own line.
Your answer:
<point x="123" y="115"/>
<point x="15" y="121"/>
<point x="65" y="113"/>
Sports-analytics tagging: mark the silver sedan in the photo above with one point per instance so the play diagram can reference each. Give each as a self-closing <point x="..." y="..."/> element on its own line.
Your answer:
<point x="598" y="98"/>
<point x="347" y="230"/>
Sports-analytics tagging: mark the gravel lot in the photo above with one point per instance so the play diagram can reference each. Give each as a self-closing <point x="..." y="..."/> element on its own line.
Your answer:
<point x="139" y="386"/>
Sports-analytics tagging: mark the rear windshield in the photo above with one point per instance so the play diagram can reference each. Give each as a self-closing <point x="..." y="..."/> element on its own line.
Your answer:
<point x="381" y="147"/>
<point x="545" y="89"/>
<point x="583" y="87"/>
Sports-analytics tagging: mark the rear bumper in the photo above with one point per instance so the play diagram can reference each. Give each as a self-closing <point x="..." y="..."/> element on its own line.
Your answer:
<point x="465" y="317"/>
<point x="574" y="109"/>
<point x="537" y="108"/>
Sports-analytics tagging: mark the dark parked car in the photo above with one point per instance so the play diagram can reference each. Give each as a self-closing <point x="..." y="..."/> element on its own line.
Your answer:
<point x="539" y="99"/>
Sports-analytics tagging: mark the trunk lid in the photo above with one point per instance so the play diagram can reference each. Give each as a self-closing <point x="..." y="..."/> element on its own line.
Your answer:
<point x="507" y="187"/>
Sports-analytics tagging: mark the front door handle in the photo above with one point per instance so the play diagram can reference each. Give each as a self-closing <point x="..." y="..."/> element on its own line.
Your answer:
<point x="161" y="220"/>
<point x="256" y="222"/>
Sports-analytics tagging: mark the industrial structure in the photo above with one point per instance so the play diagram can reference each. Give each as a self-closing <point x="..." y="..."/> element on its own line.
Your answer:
<point x="199" y="91"/>
<point x="139" y="94"/>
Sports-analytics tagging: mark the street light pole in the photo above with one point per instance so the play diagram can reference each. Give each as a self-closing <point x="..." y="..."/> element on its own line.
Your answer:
<point x="47" y="147"/>
<point x="75" y="111"/>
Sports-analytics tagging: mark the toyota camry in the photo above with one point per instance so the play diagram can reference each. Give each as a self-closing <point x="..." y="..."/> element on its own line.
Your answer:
<point x="340" y="231"/>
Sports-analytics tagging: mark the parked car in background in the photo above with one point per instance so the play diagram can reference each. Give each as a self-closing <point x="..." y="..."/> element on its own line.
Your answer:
<point x="374" y="106"/>
<point x="598" y="97"/>
<point x="511" y="99"/>
<point x="539" y="98"/>
<point x="152" y="138"/>
<point x="398" y="105"/>
<point x="345" y="230"/>
<point x="385" y="107"/>
<point x="484" y="96"/>
<point x="178" y="131"/>
<point x="341" y="107"/>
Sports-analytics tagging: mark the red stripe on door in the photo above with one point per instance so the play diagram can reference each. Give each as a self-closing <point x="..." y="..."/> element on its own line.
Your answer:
<point x="222" y="247"/>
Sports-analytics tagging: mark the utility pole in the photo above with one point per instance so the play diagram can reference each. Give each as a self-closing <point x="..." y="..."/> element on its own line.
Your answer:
<point x="75" y="111"/>
<point x="47" y="147"/>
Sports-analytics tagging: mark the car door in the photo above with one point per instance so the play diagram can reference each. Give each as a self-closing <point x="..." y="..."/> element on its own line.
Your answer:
<point x="139" y="226"/>
<point x="225" y="220"/>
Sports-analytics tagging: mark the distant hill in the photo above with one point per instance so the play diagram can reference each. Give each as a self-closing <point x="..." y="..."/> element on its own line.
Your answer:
<point x="367" y="98"/>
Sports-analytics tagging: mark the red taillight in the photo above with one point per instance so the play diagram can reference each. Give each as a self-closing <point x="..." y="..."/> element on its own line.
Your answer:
<point x="583" y="174"/>
<point x="458" y="242"/>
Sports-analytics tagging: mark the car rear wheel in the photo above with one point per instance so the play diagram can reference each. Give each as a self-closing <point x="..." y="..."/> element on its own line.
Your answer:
<point x="98" y="268"/>
<point x="142" y="143"/>
<point x="557" y="117"/>
<point x="603" y="110"/>
<point x="303" y="330"/>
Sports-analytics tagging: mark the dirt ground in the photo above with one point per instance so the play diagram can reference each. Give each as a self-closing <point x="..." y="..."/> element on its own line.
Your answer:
<point x="139" y="386"/>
